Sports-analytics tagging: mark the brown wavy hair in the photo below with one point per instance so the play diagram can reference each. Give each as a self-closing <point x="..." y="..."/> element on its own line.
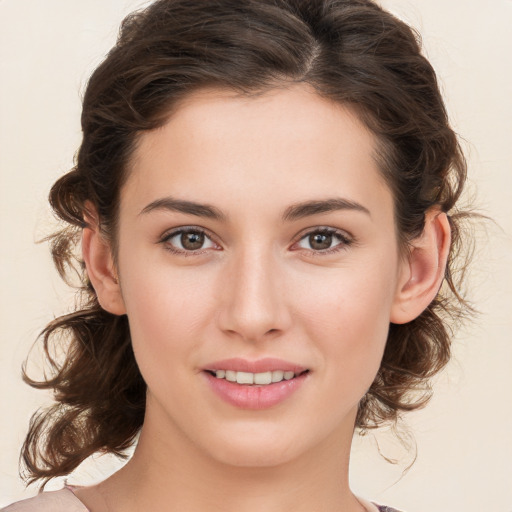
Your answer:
<point x="350" y="51"/>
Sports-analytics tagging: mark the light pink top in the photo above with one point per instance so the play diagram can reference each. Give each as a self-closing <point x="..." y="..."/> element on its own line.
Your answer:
<point x="65" y="501"/>
<point x="52" y="501"/>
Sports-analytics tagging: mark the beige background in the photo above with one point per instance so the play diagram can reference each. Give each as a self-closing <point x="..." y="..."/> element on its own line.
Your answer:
<point x="464" y="437"/>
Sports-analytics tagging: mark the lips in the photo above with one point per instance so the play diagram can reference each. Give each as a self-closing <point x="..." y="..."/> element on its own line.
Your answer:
<point x="254" y="384"/>
<point x="267" y="364"/>
<point x="258" y="379"/>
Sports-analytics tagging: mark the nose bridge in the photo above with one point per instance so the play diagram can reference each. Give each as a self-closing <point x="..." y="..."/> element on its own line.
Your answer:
<point x="254" y="298"/>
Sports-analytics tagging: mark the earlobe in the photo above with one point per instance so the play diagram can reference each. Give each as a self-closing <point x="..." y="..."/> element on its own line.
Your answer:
<point x="424" y="269"/>
<point x="100" y="267"/>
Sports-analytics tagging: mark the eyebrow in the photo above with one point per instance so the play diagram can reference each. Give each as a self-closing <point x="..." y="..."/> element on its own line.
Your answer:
<point x="293" y="212"/>
<point x="308" y="208"/>
<point x="188" y="207"/>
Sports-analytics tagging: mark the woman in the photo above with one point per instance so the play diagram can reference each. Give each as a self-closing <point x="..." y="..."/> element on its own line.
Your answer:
<point x="265" y="203"/>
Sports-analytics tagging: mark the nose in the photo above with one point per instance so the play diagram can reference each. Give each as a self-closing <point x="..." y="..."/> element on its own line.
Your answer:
<point x="254" y="302"/>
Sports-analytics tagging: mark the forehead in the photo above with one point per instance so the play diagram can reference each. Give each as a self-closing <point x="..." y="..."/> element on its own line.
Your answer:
<point x="287" y="140"/>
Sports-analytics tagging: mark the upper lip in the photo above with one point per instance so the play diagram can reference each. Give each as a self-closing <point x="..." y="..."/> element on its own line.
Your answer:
<point x="267" y="364"/>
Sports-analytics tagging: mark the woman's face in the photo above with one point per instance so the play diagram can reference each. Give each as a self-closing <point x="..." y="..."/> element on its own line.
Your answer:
<point x="256" y="236"/>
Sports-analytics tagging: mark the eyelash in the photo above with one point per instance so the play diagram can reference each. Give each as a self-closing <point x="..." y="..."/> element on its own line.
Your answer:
<point x="345" y="240"/>
<point x="187" y="229"/>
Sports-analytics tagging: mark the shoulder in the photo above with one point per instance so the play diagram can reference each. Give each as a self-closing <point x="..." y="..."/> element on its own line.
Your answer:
<point x="53" y="501"/>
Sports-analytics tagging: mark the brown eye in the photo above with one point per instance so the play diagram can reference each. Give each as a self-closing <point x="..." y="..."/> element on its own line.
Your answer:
<point x="192" y="241"/>
<point x="320" y="241"/>
<point x="324" y="240"/>
<point x="188" y="240"/>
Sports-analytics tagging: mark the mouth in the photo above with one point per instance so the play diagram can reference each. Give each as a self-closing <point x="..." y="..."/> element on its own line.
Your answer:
<point x="255" y="385"/>
<point x="256" y="379"/>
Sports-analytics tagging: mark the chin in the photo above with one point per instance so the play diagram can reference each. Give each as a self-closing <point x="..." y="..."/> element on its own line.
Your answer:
<point x="256" y="449"/>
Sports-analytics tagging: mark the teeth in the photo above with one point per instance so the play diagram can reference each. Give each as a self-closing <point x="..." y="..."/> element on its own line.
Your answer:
<point x="244" y="378"/>
<point x="277" y="376"/>
<point x="263" y="378"/>
<point x="230" y="375"/>
<point x="249" y="378"/>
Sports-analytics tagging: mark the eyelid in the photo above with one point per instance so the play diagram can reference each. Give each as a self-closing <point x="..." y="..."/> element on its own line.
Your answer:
<point x="163" y="239"/>
<point x="347" y="239"/>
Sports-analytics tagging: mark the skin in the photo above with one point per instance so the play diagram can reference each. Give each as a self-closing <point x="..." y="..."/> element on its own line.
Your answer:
<point x="258" y="287"/>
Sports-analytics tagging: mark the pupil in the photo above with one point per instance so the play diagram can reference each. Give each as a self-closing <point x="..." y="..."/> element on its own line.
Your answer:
<point x="192" y="241"/>
<point x="320" y="241"/>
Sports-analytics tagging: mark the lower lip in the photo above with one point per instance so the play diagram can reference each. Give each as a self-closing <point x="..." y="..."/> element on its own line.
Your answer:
<point x="255" y="397"/>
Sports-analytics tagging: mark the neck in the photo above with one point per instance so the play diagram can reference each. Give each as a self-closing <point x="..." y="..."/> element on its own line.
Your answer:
<point x="169" y="470"/>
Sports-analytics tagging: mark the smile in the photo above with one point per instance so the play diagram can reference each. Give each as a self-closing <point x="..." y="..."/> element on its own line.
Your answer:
<point x="255" y="385"/>
<point x="260" y="379"/>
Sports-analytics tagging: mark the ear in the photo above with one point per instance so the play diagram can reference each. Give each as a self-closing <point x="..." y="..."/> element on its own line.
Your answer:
<point x="424" y="269"/>
<point x="97" y="255"/>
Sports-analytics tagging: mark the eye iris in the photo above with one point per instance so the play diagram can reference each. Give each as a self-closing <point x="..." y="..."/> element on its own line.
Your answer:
<point x="192" y="240"/>
<point x="320" y="241"/>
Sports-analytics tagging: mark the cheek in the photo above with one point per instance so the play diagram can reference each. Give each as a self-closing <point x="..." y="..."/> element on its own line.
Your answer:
<point x="167" y="310"/>
<point x="348" y="317"/>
